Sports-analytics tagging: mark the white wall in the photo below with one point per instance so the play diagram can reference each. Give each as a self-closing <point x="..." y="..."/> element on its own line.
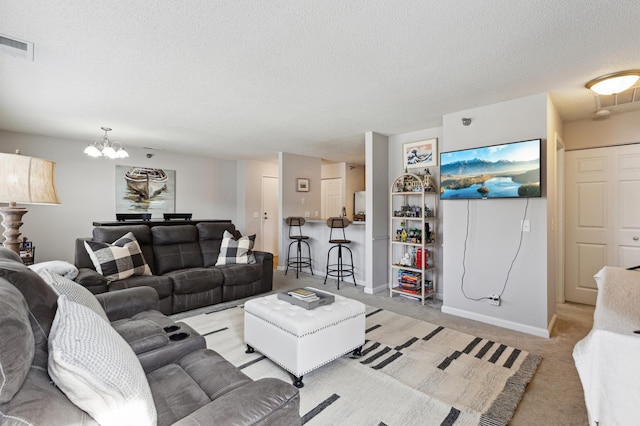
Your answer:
<point x="293" y="203"/>
<point x="494" y="227"/>
<point x="205" y="187"/>
<point x="377" y="221"/>
<point x="293" y="167"/>
<point x="251" y="194"/>
<point x="353" y="180"/>
<point x="554" y="229"/>
<point x="617" y="129"/>
<point x="334" y="171"/>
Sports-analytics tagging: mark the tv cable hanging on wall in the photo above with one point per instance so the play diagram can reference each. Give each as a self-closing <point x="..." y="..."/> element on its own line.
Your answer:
<point x="515" y="257"/>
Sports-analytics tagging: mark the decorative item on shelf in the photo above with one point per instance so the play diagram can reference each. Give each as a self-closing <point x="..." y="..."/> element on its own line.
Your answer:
<point x="428" y="212"/>
<point x="429" y="184"/>
<point x="428" y="235"/>
<point x="24" y="180"/>
<point x="410" y="281"/>
<point x="405" y="260"/>
<point x="419" y="257"/>
<point x="27" y="251"/>
<point x="415" y="235"/>
<point x="103" y="147"/>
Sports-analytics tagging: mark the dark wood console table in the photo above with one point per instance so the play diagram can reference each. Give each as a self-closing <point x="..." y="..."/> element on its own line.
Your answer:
<point x="155" y="222"/>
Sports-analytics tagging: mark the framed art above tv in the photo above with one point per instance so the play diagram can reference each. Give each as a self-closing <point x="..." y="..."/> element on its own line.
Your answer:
<point x="510" y="170"/>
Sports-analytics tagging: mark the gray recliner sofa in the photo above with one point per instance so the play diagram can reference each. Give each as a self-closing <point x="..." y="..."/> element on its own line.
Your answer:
<point x="183" y="260"/>
<point x="190" y="385"/>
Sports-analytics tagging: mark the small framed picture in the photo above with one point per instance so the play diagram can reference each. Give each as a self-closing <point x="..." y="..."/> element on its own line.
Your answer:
<point x="420" y="154"/>
<point x="302" y="185"/>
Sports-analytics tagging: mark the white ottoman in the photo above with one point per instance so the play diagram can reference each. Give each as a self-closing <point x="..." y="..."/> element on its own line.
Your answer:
<point x="301" y="340"/>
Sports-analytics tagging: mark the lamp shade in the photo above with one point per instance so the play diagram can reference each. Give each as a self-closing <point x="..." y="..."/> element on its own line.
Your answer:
<point x="27" y="180"/>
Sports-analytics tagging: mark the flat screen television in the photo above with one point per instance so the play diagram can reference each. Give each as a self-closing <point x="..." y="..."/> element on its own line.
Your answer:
<point x="510" y="170"/>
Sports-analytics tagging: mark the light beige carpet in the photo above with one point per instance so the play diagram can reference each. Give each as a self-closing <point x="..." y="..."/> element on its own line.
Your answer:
<point x="411" y="373"/>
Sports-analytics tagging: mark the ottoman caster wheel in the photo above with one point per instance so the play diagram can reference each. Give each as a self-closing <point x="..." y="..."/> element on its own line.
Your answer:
<point x="357" y="352"/>
<point x="249" y="350"/>
<point x="297" y="382"/>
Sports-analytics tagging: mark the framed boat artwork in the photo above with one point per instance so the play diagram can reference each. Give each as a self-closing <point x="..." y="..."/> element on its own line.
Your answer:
<point x="145" y="190"/>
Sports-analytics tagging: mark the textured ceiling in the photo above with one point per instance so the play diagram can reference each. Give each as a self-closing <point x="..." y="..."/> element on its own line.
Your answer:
<point x="247" y="79"/>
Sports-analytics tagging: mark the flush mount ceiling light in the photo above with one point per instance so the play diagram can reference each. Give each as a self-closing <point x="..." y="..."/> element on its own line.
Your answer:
<point x="613" y="83"/>
<point x="105" y="148"/>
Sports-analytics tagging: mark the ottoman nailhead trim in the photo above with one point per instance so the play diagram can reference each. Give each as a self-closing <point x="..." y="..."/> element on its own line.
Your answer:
<point x="308" y="333"/>
<point x="311" y="368"/>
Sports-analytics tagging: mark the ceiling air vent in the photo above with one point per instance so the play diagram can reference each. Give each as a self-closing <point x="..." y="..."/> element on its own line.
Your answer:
<point x="16" y="48"/>
<point x="629" y="96"/>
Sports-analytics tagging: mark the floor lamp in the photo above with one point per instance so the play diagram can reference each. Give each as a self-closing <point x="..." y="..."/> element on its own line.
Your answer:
<point x="24" y="180"/>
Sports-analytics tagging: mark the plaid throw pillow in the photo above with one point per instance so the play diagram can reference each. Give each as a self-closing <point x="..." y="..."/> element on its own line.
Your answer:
<point x="236" y="251"/>
<point x="119" y="260"/>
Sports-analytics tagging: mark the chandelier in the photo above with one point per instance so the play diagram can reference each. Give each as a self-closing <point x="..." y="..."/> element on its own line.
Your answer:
<point x="105" y="148"/>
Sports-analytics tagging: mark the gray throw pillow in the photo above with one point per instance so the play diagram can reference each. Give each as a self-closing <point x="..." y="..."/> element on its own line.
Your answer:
<point x="97" y="370"/>
<point x="16" y="343"/>
<point x="74" y="291"/>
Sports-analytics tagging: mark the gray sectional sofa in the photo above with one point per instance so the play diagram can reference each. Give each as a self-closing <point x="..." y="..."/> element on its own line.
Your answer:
<point x="183" y="261"/>
<point x="185" y="383"/>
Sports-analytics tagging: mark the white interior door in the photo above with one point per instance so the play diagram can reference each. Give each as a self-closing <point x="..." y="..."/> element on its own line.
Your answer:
<point x="627" y="211"/>
<point x="602" y="222"/>
<point x="270" y="214"/>
<point x="332" y="197"/>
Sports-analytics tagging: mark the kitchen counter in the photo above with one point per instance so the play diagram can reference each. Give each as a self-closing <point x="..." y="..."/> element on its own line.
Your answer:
<point x="318" y="232"/>
<point x="320" y="220"/>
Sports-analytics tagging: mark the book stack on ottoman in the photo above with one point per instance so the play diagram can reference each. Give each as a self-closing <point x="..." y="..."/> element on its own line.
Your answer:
<point x="301" y="339"/>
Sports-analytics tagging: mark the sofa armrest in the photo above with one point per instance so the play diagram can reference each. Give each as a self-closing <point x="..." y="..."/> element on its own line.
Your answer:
<point x="263" y="256"/>
<point x="126" y="303"/>
<point x="266" y="259"/>
<point x="93" y="281"/>
<point x="265" y="402"/>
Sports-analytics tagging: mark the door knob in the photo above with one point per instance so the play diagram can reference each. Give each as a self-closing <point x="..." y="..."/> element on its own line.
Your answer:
<point x="635" y="238"/>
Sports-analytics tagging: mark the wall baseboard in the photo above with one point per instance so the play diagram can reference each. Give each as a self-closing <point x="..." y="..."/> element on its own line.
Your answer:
<point x="377" y="289"/>
<point x="523" y="328"/>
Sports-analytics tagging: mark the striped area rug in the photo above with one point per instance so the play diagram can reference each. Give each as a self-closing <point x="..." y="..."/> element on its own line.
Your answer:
<point x="411" y="373"/>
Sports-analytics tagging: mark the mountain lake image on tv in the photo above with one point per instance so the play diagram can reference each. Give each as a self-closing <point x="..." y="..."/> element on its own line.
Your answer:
<point x="510" y="170"/>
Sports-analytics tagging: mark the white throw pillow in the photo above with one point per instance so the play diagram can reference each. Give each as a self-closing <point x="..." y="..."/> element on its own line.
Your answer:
<point x="97" y="370"/>
<point x="234" y="251"/>
<point x="119" y="260"/>
<point x="59" y="267"/>
<point x="74" y="291"/>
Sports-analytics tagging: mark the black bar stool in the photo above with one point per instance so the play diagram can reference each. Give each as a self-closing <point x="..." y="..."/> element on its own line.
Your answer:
<point x="340" y="269"/>
<point x="299" y="261"/>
